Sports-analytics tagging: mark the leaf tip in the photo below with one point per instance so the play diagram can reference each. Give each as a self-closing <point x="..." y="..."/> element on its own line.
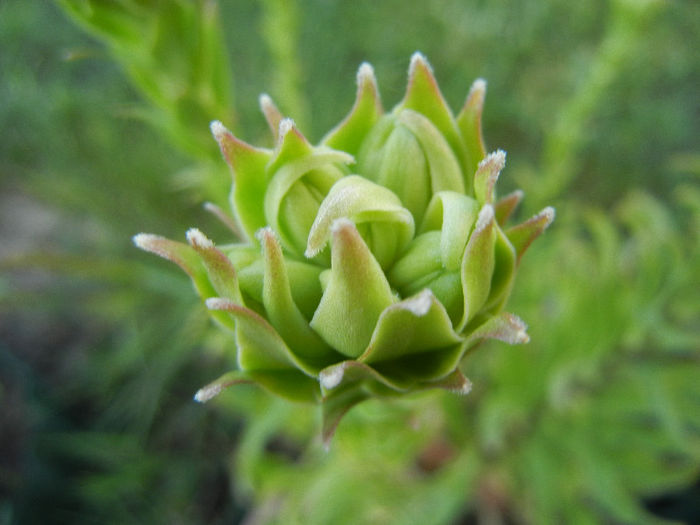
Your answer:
<point x="331" y="377"/>
<point x="495" y="161"/>
<point x="341" y="225"/>
<point x="548" y="214"/>
<point x="145" y="241"/>
<point x="286" y="125"/>
<point x="463" y="389"/>
<point x="365" y="75"/>
<point x="477" y="92"/>
<point x="420" y="304"/>
<point x="218" y="130"/>
<point x="265" y="102"/>
<point x="208" y="392"/>
<point x="418" y="61"/>
<point x="198" y="240"/>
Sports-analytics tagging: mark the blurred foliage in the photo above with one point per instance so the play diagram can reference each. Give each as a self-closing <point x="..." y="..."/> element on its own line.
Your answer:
<point x="101" y="347"/>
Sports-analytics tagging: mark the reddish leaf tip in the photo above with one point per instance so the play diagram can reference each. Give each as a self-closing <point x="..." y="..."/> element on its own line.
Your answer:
<point x="548" y="213"/>
<point x="495" y="161"/>
<point x="341" y="225"/>
<point x="463" y="389"/>
<point x="218" y="130"/>
<point x="198" y="240"/>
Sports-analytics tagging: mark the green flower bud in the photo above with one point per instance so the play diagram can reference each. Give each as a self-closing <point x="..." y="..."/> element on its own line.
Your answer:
<point x="373" y="262"/>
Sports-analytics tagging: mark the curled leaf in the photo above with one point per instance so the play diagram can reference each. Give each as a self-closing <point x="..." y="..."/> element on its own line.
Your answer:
<point x="387" y="225"/>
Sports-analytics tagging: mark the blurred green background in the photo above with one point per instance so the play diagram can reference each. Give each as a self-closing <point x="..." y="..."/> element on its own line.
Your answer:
<point x="104" y="112"/>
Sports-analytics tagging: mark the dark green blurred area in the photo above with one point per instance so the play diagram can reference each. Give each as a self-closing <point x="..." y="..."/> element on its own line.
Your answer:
<point x="105" y="135"/>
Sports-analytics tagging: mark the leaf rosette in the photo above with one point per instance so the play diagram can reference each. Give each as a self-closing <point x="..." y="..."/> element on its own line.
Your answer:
<point x="372" y="262"/>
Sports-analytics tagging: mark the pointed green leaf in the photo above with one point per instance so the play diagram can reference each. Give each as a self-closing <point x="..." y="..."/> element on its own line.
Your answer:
<point x="419" y="324"/>
<point x="291" y="144"/>
<point x="179" y="253"/>
<point x="247" y="165"/>
<point x="356" y="295"/>
<point x="221" y="273"/>
<point x="445" y="170"/>
<point x="189" y="260"/>
<point x="522" y="235"/>
<point x="505" y="327"/>
<point x="260" y="347"/>
<point x="505" y="206"/>
<point x="454" y="382"/>
<point x="478" y="264"/>
<point x="282" y="311"/>
<point x="413" y="344"/>
<point x="454" y="215"/>
<point x="401" y="166"/>
<point x="350" y="133"/>
<point x="289" y="384"/>
<point x="295" y="192"/>
<point x="423" y="95"/>
<point x="503" y="272"/>
<point x="388" y="226"/>
<point x="348" y="372"/>
<point x="273" y="116"/>
<point x="486" y="176"/>
<point x="217" y="386"/>
<point x="469" y="123"/>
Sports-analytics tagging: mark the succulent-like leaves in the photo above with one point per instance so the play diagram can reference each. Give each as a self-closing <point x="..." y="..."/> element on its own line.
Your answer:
<point x="356" y="294"/>
<point x="486" y="176"/>
<point x="273" y="116"/>
<point x="423" y="96"/>
<point x="389" y="308"/>
<point x="185" y="257"/>
<point x="350" y="133"/>
<point x="469" y="123"/>
<point x="505" y="327"/>
<point x="220" y="271"/>
<point x="299" y="179"/>
<point x="478" y="264"/>
<point x="265" y="357"/>
<point x="408" y="154"/>
<point x="505" y="206"/>
<point x="522" y="235"/>
<point x="453" y="215"/>
<point x="283" y="312"/>
<point x="387" y="226"/>
<point x="247" y="165"/>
